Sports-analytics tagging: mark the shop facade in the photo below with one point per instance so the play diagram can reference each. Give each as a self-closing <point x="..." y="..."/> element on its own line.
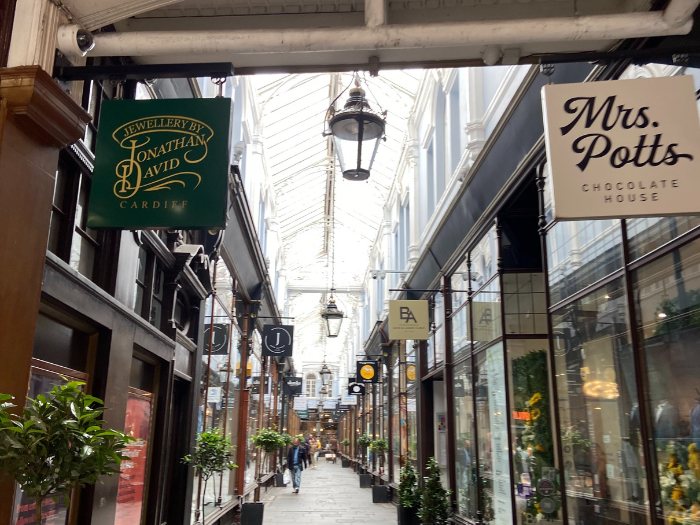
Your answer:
<point x="558" y="381"/>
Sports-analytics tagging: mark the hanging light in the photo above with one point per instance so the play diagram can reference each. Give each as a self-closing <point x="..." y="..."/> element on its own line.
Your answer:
<point x="325" y="373"/>
<point x="356" y="130"/>
<point x="333" y="317"/>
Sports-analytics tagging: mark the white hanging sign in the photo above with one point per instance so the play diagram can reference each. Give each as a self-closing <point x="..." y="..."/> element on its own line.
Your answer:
<point x="623" y="148"/>
<point x="300" y="403"/>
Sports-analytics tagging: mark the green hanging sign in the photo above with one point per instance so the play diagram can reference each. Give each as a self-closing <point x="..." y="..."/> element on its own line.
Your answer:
<point x="161" y="164"/>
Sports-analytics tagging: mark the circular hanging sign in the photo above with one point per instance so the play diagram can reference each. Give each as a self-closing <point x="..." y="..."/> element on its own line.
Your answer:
<point x="367" y="371"/>
<point x="411" y="373"/>
<point x="548" y="505"/>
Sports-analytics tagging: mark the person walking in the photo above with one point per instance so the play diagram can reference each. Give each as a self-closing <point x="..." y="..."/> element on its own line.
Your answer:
<point x="313" y="451"/>
<point x="296" y="457"/>
<point x="334" y="448"/>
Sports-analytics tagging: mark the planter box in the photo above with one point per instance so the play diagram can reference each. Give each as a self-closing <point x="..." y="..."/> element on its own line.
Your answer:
<point x="380" y="494"/>
<point x="279" y="480"/>
<point x="407" y="516"/>
<point x="345" y="463"/>
<point x="252" y="513"/>
<point x="365" y="481"/>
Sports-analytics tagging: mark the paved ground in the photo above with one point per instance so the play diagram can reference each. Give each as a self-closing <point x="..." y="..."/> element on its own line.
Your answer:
<point x="329" y="495"/>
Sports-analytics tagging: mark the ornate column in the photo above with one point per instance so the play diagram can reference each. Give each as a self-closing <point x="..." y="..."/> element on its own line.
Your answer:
<point x="37" y="119"/>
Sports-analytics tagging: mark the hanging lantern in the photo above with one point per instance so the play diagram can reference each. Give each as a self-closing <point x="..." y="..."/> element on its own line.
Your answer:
<point x="325" y="373"/>
<point x="356" y="130"/>
<point x="333" y="318"/>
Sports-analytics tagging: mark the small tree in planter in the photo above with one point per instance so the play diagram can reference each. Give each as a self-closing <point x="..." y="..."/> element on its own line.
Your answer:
<point x="363" y="442"/>
<point x="378" y="447"/>
<point x="409" y="496"/>
<point x="268" y="441"/>
<point x="345" y="443"/>
<point x="58" y="444"/>
<point x="212" y="455"/>
<point x="435" y="506"/>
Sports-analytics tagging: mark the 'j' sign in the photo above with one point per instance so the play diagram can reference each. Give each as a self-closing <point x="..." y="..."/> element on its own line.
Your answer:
<point x="161" y="163"/>
<point x="623" y="148"/>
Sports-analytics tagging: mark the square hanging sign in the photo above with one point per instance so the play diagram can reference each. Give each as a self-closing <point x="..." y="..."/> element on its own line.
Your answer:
<point x="367" y="371"/>
<point x="161" y="164"/>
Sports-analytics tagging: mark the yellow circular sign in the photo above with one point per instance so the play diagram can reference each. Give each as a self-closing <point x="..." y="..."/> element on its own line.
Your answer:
<point x="411" y="373"/>
<point x="367" y="371"/>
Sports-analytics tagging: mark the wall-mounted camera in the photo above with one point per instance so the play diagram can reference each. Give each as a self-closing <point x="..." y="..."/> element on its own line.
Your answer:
<point x="74" y="41"/>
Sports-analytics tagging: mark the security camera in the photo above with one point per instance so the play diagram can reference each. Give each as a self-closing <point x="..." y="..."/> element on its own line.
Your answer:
<point x="382" y="275"/>
<point x="375" y="274"/>
<point x="238" y="150"/>
<point x="74" y="41"/>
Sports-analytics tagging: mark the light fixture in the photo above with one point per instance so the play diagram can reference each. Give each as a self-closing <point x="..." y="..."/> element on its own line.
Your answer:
<point x="325" y="372"/>
<point x="662" y="315"/>
<point x="333" y="317"/>
<point x="356" y="130"/>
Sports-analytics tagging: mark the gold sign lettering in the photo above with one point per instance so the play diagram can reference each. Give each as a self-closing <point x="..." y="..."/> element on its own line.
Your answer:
<point x="164" y="164"/>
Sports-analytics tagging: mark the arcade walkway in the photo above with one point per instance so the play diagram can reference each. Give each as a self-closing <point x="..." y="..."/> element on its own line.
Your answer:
<point x="329" y="495"/>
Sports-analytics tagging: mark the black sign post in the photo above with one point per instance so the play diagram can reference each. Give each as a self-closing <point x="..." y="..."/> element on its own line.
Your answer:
<point x="277" y="340"/>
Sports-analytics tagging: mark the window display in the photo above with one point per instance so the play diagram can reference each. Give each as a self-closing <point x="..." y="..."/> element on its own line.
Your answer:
<point x="465" y="444"/>
<point x="667" y="302"/>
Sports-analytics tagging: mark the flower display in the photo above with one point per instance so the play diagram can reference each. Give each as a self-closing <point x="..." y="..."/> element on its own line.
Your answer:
<point x="680" y="484"/>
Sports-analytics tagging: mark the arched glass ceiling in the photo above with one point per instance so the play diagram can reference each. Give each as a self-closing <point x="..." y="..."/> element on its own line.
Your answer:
<point x="300" y="163"/>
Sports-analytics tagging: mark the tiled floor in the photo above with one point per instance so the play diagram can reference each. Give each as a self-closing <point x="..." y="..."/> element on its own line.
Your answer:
<point x="329" y="495"/>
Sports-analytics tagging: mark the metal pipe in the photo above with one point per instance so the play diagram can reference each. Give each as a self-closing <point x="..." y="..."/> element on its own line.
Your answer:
<point x="408" y="36"/>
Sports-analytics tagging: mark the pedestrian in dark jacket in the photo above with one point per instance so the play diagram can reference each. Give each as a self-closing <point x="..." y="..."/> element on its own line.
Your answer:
<point x="296" y="457"/>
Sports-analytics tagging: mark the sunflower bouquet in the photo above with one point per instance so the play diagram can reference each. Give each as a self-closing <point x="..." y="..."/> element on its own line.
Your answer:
<point x="679" y="480"/>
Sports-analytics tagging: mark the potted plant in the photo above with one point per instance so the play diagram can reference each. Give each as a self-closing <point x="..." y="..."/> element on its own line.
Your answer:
<point x="286" y="441"/>
<point x="212" y="455"/>
<point x="57" y="444"/>
<point x="380" y="493"/>
<point x="267" y="440"/>
<point x="345" y="462"/>
<point x="363" y="442"/>
<point x="434" y="505"/>
<point x="409" y="496"/>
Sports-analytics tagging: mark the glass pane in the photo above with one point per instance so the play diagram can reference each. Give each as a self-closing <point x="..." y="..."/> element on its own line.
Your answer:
<point x="54" y="232"/>
<point x="132" y="480"/>
<point x="156" y="313"/>
<point x="645" y="235"/>
<point x="492" y="421"/>
<point x="597" y="393"/>
<point x="667" y="293"/>
<point x="531" y="430"/>
<point x="411" y="427"/>
<point x="581" y="253"/>
<point x="486" y="314"/>
<point x="82" y="255"/>
<point x="524" y="307"/>
<point x="465" y="454"/>
<point x="60" y="185"/>
<point x="483" y="258"/>
<point x="398" y="430"/>
<point x="461" y="339"/>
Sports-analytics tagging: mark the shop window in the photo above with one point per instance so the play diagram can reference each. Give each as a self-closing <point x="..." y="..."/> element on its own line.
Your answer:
<point x="648" y="234"/>
<point x="149" y="288"/>
<point x="69" y="237"/>
<point x="439" y="336"/>
<point x="667" y="302"/>
<point x="531" y="432"/>
<point x="492" y="421"/>
<point x="311" y="385"/>
<point x="581" y="253"/>
<point x="465" y="444"/>
<point x="483" y="258"/>
<point x="524" y="303"/>
<point x="461" y="335"/>
<point x="604" y="469"/>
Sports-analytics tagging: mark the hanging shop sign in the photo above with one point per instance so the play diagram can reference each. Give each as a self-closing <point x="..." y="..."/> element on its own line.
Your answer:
<point x="349" y="399"/>
<point x="292" y="386"/>
<point x="367" y="371"/>
<point x="623" y="148"/>
<point x="214" y="394"/>
<point x="356" y="389"/>
<point x="409" y="320"/>
<point x="220" y="341"/>
<point x="161" y="164"/>
<point x="300" y="403"/>
<point x="277" y="340"/>
<point x="411" y="372"/>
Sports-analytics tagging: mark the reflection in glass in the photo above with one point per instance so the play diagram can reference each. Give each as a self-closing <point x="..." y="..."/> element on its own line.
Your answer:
<point x="465" y="444"/>
<point x="461" y="337"/>
<point x="581" y="253"/>
<point x="599" y="411"/>
<point x="531" y="430"/>
<point x="647" y="234"/>
<point x="667" y="297"/>
<point x="486" y="314"/>
<point x="524" y="303"/>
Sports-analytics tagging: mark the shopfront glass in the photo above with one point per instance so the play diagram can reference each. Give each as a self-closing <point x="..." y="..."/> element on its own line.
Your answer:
<point x="465" y="444"/>
<point x="667" y="303"/>
<point x="536" y="481"/>
<point x="410" y="438"/>
<point x="604" y="468"/>
<point x="492" y="423"/>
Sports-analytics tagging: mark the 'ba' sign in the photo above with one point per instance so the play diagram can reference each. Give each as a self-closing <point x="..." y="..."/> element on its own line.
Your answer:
<point x="623" y="148"/>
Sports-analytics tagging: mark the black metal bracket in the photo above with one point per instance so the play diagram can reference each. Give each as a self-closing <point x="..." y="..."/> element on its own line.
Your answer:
<point x="144" y="71"/>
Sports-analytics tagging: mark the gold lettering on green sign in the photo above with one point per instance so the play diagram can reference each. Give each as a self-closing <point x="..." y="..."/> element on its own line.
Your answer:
<point x="157" y="148"/>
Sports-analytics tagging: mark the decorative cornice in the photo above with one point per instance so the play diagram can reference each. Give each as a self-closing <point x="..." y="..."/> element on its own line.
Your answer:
<point x="41" y="107"/>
